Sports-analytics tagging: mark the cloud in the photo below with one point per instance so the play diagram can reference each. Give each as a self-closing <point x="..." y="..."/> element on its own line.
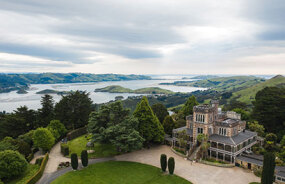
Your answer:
<point x="151" y="36"/>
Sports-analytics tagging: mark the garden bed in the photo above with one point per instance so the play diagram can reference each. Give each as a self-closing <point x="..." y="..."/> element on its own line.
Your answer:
<point x="214" y="162"/>
<point x="178" y="152"/>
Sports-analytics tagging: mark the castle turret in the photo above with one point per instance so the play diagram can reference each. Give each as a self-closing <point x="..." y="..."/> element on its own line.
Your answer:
<point x="215" y="103"/>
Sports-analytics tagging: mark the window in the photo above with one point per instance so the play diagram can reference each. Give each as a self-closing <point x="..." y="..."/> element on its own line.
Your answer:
<point x="200" y="130"/>
<point x="222" y="131"/>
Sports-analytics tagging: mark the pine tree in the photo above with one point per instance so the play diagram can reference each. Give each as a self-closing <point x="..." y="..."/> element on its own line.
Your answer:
<point x="149" y="126"/>
<point x="187" y="109"/>
<point x="46" y="113"/>
<point x="268" y="168"/>
<point x="160" y="111"/>
<point x="168" y="125"/>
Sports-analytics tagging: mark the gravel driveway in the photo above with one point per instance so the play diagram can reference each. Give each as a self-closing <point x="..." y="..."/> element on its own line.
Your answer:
<point x="196" y="173"/>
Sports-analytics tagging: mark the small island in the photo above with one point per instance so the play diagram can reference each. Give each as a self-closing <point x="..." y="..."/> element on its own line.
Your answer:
<point x="51" y="91"/>
<point x="120" y="89"/>
<point x="22" y="91"/>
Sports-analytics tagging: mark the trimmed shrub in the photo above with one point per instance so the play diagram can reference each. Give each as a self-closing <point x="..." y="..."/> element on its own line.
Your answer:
<point x="76" y="133"/>
<point x="43" y="138"/>
<point x="84" y="158"/>
<point x="40" y="172"/>
<point x="163" y="162"/>
<point x="64" y="149"/>
<point x="171" y="165"/>
<point x="39" y="161"/>
<point x="57" y="129"/>
<point x="74" y="161"/>
<point x="12" y="164"/>
<point x="267" y="176"/>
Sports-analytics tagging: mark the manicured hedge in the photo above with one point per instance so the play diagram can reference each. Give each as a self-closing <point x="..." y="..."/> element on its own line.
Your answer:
<point x="74" y="161"/>
<point x="163" y="162"/>
<point x="64" y="149"/>
<point x="171" y="165"/>
<point x="40" y="172"/>
<point x="84" y="158"/>
<point x="76" y="133"/>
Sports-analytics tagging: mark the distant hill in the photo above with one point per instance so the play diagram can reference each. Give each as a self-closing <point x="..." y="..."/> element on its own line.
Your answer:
<point x="10" y="82"/>
<point x="51" y="91"/>
<point x="120" y="89"/>
<point x="248" y="95"/>
<point x="203" y="77"/>
<point x="222" y="84"/>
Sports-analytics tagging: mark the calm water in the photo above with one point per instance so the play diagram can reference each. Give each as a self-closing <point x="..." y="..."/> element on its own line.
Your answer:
<point x="11" y="101"/>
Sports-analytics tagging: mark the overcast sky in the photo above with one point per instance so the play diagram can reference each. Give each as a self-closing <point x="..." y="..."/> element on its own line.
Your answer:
<point x="144" y="37"/>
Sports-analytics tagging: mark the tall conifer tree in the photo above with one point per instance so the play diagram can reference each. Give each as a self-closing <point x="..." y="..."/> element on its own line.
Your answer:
<point x="149" y="126"/>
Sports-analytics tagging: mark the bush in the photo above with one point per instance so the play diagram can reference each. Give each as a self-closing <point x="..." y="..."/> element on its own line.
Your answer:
<point x="23" y="147"/>
<point x="64" y="149"/>
<point x="76" y="133"/>
<point x="171" y="165"/>
<point x="163" y="162"/>
<point x="30" y="157"/>
<point x="27" y="137"/>
<point x="39" y="161"/>
<point x="12" y="164"/>
<point x="43" y="138"/>
<point x="84" y="158"/>
<point x="57" y="129"/>
<point x="74" y="161"/>
<point x="39" y="174"/>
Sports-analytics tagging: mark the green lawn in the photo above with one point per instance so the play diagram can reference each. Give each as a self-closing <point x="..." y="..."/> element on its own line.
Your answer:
<point x="31" y="170"/>
<point x="119" y="173"/>
<point x="101" y="150"/>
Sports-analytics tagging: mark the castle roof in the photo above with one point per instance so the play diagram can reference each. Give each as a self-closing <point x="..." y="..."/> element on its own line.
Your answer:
<point x="229" y="122"/>
<point x="203" y="108"/>
<point x="234" y="140"/>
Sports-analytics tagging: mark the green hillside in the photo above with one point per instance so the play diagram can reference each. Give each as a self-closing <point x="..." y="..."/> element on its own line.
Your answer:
<point x="120" y="89"/>
<point x="10" y="82"/>
<point x="222" y="84"/>
<point x="114" y="89"/>
<point x="247" y="95"/>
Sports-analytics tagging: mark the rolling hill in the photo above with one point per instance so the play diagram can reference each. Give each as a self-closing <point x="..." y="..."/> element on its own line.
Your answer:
<point x="120" y="89"/>
<point x="222" y="84"/>
<point x="247" y="95"/>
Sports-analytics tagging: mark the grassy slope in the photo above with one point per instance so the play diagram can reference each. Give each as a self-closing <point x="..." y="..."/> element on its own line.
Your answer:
<point x="120" y="89"/>
<point x="247" y="95"/>
<point x="224" y="83"/>
<point x="119" y="173"/>
<point x="32" y="169"/>
<point x="101" y="150"/>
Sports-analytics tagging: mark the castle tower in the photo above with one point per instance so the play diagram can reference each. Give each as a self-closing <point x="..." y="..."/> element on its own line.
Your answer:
<point x="215" y="104"/>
